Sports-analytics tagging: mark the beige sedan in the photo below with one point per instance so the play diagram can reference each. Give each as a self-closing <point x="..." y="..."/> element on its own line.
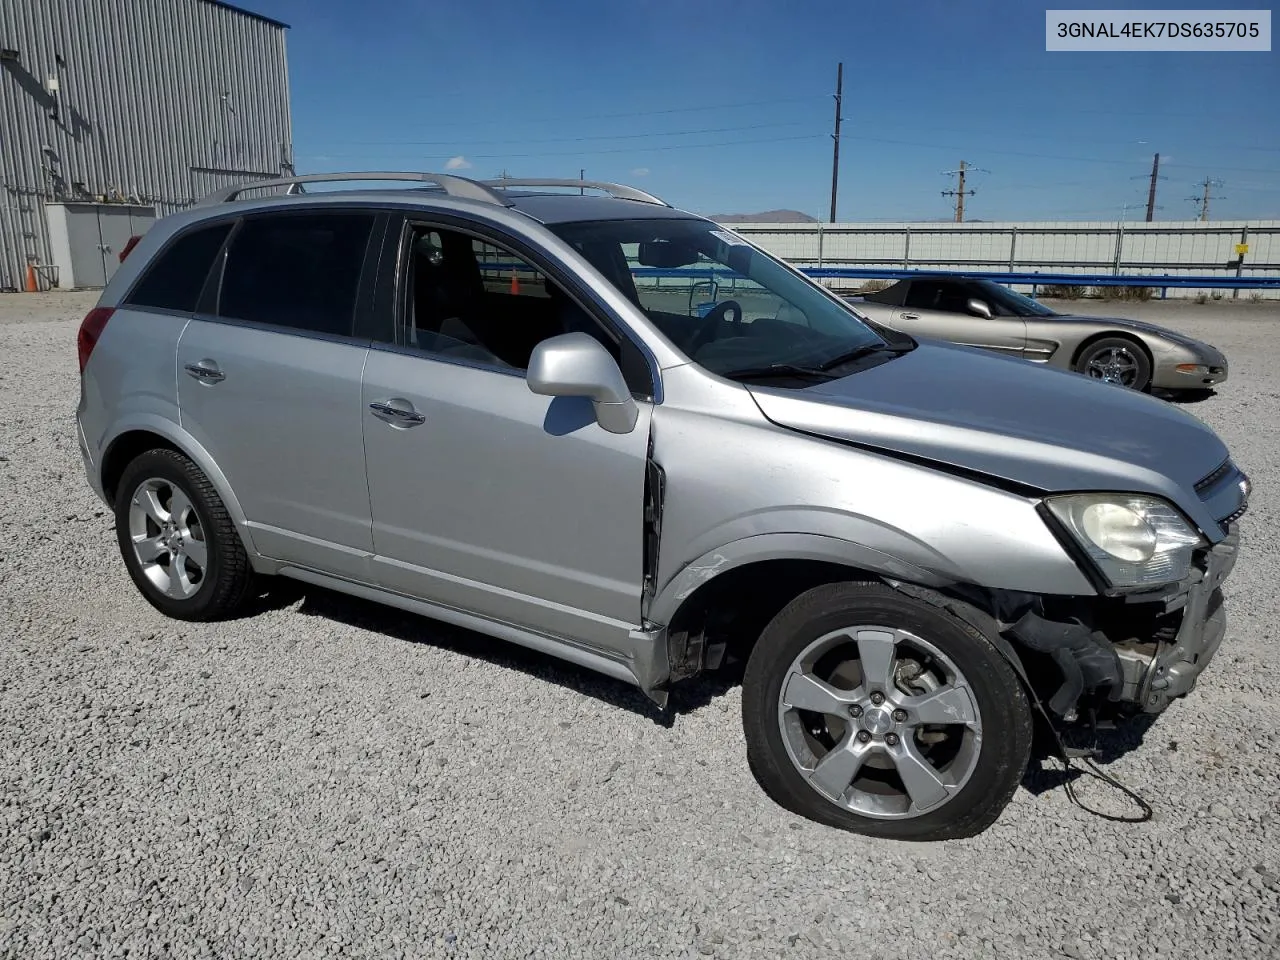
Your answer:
<point x="981" y="313"/>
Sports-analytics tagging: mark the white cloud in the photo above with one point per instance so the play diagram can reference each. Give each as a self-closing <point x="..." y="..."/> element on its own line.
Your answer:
<point x="458" y="163"/>
<point x="640" y="172"/>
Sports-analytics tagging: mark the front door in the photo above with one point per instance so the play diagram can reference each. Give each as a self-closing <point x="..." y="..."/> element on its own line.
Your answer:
<point x="269" y="384"/>
<point x="939" y="309"/>
<point x="485" y="496"/>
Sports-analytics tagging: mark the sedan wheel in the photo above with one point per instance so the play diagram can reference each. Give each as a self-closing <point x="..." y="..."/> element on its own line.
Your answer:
<point x="883" y="714"/>
<point x="1116" y="360"/>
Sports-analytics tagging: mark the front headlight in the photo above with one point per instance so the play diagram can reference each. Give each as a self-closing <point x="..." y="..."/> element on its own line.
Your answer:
<point x="1134" y="540"/>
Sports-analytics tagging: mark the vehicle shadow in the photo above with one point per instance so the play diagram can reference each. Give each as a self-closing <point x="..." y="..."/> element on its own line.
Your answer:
<point x="1185" y="396"/>
<point x="1045" y="772"/>
<point x="402" y="625"/>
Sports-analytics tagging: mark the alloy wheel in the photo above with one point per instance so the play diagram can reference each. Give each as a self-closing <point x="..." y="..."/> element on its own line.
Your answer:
<point x="880" y="722"/>
<point x="168" y="538"/>
<point x="1113" y="365"/>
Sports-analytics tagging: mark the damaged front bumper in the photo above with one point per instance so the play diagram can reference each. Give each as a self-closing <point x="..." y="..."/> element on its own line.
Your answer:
<point x="1138" y="652"/>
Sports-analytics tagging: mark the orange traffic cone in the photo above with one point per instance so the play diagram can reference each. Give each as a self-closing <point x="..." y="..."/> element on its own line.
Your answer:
<point x="32" y="286"/>
<point x="515" y="283"/>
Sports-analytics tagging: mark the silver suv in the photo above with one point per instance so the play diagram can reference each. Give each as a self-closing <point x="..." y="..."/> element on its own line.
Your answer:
<point x="621" y="434"/>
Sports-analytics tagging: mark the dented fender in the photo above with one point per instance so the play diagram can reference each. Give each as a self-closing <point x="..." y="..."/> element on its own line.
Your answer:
<point x="779" y="546"/>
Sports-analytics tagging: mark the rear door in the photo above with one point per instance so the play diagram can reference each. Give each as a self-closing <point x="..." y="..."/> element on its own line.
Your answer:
<point x="939" y="309"/>
<point x="269" y="382"/>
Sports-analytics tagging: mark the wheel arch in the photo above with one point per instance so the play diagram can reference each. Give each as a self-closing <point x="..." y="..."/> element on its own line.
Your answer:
<point x="773" y="548"/>
<point x="758" y="576"/>
<point x="130" y="440"/>
<point x="1113" y="335"/>
<point x="742" y="585"/>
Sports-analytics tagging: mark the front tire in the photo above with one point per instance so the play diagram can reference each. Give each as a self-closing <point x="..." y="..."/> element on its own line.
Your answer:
<point x="881" y="714"/>
<point x="1117" y="360"/>
<point x="178" y="542"/>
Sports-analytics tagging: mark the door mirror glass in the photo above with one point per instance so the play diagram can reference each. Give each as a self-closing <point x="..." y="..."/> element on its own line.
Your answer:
<point x="979" y="308"/>
<point x="578" y="365"/>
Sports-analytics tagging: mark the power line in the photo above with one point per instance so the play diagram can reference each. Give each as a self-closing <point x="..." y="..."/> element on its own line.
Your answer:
<point x="633" y="149"/>
<point x="1044" y="156"/>
<point x="462" y="142"/>
<point x="811" y="98"/>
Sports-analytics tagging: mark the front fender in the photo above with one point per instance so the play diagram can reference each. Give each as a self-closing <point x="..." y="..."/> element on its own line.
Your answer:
<point x="780" y="546"/>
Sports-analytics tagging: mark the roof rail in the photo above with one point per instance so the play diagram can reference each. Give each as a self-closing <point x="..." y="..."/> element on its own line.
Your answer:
<point x="618" y="190"/>
<point x="451" y="185"/>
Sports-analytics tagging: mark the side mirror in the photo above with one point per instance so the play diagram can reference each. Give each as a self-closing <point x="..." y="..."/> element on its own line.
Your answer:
<point x="979" y="308"/>
<point x="577" y="365"/>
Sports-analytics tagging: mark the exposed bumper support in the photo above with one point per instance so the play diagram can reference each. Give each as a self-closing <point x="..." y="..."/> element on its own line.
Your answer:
<point x="1147" y="672"/>
<point x="1086" y="659"/>
<point x="1153" y="678"/>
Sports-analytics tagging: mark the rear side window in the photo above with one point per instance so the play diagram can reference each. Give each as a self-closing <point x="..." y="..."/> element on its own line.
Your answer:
<point x="174" y="280"/>
<point x="296" y="270"/>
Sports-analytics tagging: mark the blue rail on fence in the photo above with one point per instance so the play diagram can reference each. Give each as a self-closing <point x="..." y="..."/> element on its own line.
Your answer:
<point x="1064" y="279"/>
<point x="1035" y="279"/>
<point x="1040" y="279"/>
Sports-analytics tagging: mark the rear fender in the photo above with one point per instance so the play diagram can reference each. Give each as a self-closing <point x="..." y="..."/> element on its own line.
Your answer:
<point x="189" y="447"/>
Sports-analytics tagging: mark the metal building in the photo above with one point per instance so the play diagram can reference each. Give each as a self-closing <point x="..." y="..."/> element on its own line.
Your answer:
<point x="114" y="112"/>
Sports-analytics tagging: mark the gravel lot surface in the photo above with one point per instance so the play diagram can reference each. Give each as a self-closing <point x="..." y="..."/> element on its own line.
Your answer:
<point x="331" y="778"/>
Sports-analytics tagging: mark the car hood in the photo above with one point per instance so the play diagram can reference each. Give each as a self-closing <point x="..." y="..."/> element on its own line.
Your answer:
<point x="1008" y="418"/>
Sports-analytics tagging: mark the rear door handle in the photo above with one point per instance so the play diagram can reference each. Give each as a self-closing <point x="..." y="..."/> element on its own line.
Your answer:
<point x="404" y="415"/>
<point x="206" y="371"/>
<point x="908" y="316"/>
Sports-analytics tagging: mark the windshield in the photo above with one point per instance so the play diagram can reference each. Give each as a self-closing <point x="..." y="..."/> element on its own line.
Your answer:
<point x="729" y="307"/>
<point x="1007" y="303"/>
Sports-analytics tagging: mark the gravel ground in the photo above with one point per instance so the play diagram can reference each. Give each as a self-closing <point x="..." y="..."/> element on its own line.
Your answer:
<point x="331" y="778"/>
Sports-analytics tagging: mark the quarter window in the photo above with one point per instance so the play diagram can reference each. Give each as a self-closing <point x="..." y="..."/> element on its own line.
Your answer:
<point x="297" y="270"/>
<point x="174" y="280"/>
<point x="932" y="295"/>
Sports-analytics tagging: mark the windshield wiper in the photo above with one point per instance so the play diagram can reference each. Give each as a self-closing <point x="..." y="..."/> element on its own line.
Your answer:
<point x="866" y="350"/>
<point x="774" y="370"/>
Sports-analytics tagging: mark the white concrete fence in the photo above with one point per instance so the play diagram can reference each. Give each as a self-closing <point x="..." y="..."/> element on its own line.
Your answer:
<point x="1168" y="248"/>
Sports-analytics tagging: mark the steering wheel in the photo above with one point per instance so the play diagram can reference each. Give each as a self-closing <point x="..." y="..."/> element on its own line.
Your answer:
<point x="712" y="320"/>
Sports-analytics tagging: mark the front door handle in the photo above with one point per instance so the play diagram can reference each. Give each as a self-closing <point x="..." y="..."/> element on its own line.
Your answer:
<point x="908" y="316"/>
<point x="404" y="416"/>
<point x="206" y="371"/>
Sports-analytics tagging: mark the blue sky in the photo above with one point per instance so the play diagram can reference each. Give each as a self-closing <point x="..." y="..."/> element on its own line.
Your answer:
<point x="725" y="105"/>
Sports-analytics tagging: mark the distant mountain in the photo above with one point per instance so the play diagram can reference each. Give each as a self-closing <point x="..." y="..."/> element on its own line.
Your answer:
<point x="769" y="216"/>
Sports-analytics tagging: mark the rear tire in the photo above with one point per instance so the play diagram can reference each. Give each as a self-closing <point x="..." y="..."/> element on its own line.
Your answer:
<point x="1116" y="360"/>
<point x="179" y="544"/>
<point x="937" y="760"/>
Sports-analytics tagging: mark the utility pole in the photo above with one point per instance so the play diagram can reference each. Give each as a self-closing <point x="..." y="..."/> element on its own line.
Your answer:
<point x="960" y="192"/>
<point x="582" y="175"/>
<point x="1204" y="199"/>
<point x="835" y="153"/>
<point x="1151" y="193"/>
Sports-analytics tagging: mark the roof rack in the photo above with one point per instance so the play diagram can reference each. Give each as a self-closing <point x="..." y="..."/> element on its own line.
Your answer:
<point x="451" y="185"/>
<point x="618" y="190"/>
